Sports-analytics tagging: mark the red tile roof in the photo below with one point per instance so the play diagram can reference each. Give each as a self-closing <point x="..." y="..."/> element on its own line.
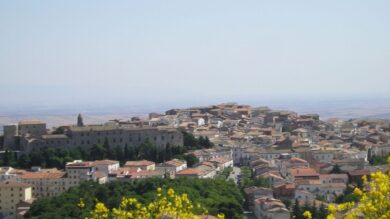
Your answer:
<point x="296" y="172"/>
<point x="13" y="184"/>
<point x="43" y="175"/>
<point x="138" y="163"/>
<point x="105" y="162"/>
<point x="189" y="171"/>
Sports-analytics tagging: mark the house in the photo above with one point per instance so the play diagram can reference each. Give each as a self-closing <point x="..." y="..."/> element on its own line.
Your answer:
<point x="298" y="173"/>
<point x="309" y="185"/>
<point x="304" y="196"/>
<point x="274" y="178"/>
<point x="285" y="164"/>
<point x="106" y="166"/>
<point x="286" y="190"/>
<point x="189" y="172"/>
<point x="9" y="173"/>
<point x="143" y="174"/>
<point x="252" y="193"/>
<point x="355" y="176"/>
<point x="203" y="171"/>
<point x="47" y="183"/>
<point x="208" y="169"/>
<point x="270" y="208"/>
<point x="122" y="173"/>
<point x="78" y="171"/>
<point x="258" y="162"/>
<point x="222" y="162"/>
<point x="172" y="166"/>
<point x="334" y="178"/>
<point x="332" y="191"/>
<point x="133" y="173"/>
<point x="142" y="164"/>
<point x="12" y="193"/>
<point x="23" y="206"/>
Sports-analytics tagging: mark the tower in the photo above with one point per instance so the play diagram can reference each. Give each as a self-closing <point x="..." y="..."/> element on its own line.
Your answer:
<point x="80" y="120"/>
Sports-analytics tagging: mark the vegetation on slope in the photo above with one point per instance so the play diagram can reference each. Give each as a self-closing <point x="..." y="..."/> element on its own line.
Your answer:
<point x="216" y="195"/>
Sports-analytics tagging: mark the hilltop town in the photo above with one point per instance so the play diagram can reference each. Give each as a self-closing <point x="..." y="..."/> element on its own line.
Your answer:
<point x="277" y="158"/>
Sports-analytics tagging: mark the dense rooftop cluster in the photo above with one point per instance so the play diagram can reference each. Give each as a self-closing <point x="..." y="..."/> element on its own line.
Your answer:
<point x="303" y="159"/>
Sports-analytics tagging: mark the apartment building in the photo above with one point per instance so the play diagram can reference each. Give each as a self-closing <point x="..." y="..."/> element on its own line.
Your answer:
<point x="12" y="193"/>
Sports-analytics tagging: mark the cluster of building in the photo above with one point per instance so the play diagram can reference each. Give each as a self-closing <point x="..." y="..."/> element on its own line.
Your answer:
<point x="295" y="153"/>
<point x="36" y="183"/>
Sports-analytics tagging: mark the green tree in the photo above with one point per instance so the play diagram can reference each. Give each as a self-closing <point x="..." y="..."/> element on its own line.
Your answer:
<point x="109" y="153"/>
<point x="261" y="182"/>
<point x="218" y="196"/>
<point x="24" y="161"/>
<point x="8" y="158"/>
<point x="189" y="140"/>
<point x="336" y="169"/>
<point x="322" y="212"/>
<point x="119" y="155"/>
<point x="97" y="152"/>
<point x="297" y="210"/>
<point x="191" y="160"/>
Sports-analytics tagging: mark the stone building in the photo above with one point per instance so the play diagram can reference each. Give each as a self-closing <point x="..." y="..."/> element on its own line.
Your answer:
<point x="11" y="193"/>
<point x="32" y="135"/>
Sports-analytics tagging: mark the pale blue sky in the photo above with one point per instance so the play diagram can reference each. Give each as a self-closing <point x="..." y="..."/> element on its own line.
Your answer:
<point x="108" y="52"/>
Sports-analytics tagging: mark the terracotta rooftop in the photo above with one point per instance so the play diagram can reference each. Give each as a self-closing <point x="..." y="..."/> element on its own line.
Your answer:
<point x="105" y="162"/>
<point x="303" y="172"/>
<point x="175" y="162"/>
<point x="189" y="171"/>
<point x="138" y="163"/>
<point x="43" y="175"/>
<point x="13" y="184"/>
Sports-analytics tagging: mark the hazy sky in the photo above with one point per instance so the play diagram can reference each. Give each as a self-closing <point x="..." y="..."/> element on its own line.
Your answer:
<point x="70" y="52"/>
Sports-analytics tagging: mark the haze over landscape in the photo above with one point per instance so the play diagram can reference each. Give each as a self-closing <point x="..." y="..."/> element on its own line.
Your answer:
<point x="195" y="109"/>
<point x="154" y="54"/>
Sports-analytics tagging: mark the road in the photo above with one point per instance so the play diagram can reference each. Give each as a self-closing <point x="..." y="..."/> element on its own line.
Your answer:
<point x="234" y="174"/>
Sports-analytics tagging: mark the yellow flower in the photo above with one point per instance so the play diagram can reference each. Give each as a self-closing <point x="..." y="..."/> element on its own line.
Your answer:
<point x="166" y="205"/>
<point x="357" y="192"/>
<point x="171" y="192"/>
<point x="307" y="215"/>
<point x="81" y="204"/>
<point x="220" y="216"/>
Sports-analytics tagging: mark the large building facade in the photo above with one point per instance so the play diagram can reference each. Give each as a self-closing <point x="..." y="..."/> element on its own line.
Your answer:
<point x="11" y="193"/>
<point x="32" y="135"/>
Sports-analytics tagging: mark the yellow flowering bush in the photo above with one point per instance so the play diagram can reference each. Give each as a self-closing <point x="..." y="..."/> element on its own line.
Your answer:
<point x="374" y="200"/>
<point x="167" y="205"/>
<point x="307" y="215"/>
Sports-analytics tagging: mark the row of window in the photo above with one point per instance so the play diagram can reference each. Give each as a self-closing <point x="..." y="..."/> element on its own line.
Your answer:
<point x="99" y="141"/>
